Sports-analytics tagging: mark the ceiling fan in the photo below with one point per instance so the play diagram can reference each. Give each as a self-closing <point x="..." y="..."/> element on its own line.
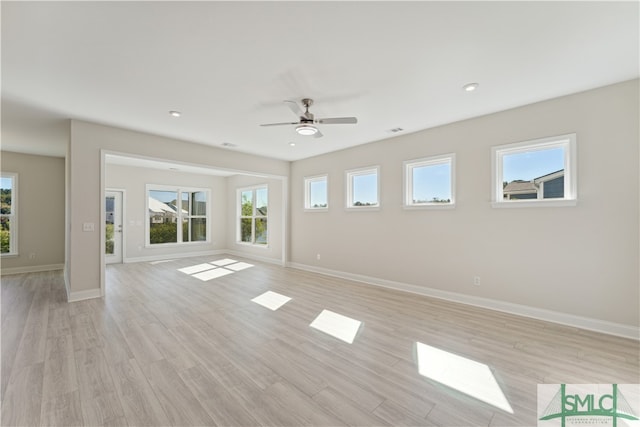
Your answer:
<point x="306" y="124"/>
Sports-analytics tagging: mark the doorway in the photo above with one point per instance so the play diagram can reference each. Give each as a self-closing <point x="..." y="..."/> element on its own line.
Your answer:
<point x="113" y="227"/>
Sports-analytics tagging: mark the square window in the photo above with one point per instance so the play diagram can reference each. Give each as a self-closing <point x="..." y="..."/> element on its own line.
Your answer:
<point x="315" y="193"/>
<point x="429" y="182"/>
<point x="168" y="207"/>
<point x="541" y="172"/>
<point x="363" y="188"/>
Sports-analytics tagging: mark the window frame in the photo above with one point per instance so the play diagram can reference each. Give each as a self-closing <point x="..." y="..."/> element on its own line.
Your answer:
<point x="253" y="217"/>
<point x="179" y="190"/>
<point x="352" y="173"/>
<point x="409" y="165"/>
<point x="13" y="216"/>
<point x="308" y="180"/>
<point x="567" y="142"/>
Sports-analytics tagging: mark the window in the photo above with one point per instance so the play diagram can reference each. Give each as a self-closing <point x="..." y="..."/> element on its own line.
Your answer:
<point x="429" y="182"/>
<point x="541" y="172"/>
<point x="363" y="189"/>
<point x="252" y="212"/>
<point x="167" y="207"/>
<point x="315" y="193"/>
<point x="8" y="216"/>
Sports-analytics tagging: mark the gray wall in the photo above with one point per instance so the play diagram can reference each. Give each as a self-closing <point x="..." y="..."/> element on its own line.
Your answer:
<point x="40" y="211"/>
<point x="589" y="252"/>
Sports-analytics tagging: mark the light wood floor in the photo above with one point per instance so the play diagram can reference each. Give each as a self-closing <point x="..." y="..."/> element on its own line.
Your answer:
<point x="163" y="348"/>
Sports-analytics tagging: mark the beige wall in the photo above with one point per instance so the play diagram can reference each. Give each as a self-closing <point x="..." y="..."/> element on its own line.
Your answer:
<point x="580" y="260"/>
<point x="134" y="180"/>
<point x="41" y="193"/>
<point x="88" y="143"/>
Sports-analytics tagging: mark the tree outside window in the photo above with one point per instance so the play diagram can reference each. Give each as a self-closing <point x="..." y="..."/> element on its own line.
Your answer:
<point x="253" y="218"/>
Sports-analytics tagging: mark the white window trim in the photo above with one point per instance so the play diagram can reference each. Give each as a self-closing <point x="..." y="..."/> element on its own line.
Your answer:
<point x="13" y="234"/>
<point x="567" y="142"/>
<point x="307" y="192"/>
<point x="239" y="191"/>
<point x="408" y="166"/>
<point x="179" y="190"/>
<point x="349" y="175"/>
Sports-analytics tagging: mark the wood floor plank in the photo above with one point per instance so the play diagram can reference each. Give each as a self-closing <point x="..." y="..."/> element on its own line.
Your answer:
<point x="140" y="404"/>
<point x="178" y="402"/>
<point x="60" y="374"/>
<point x="164" y="348"/>
<point x="343" y="409"/>
<point x="222" y="401"/>
<point x="62" y="409"/>
<point x="99" y="402"/>
<point x="23" y="399"/>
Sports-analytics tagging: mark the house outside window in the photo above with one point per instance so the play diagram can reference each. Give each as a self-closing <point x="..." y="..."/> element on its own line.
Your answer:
<point x="177" y="215"/>
<point x="253" y="205"/>
<point x="8" y="214"/>
<point x="540" y="172"/>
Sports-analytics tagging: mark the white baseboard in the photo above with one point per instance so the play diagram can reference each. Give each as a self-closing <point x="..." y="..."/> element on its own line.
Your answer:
<point x="603" y="326"/>
<point x="31" y="269"/>
<point x="83" y="295"/>
<point x="164" y="257"/>
<point x="254" y="257"/>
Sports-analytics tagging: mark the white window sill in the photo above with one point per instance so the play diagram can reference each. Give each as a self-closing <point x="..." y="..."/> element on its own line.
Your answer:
<point x="253" y="245"/>
<point x="175" y="244"/>
<point x="535" y="203"/>
<point x="10" y="255"/>
<point x="316" y="209"/>
<point x="362" y="208"/>
<point x="436" y="206"/>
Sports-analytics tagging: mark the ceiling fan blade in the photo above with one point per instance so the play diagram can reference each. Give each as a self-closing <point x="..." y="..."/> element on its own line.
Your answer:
<point x="318" y="134"/>
<point x="337" y="120"/>
<point x="293" y="106"/>
<point x="280" y="124"/>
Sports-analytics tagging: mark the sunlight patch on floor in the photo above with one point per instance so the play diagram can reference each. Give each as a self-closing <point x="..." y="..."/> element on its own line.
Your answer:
<point x="212" y="274"/>
<point x="238" y="266"/>
<point x="465" y="375"/>
<point x="214" y="269"/>
<point x="271" y="300"/>
<point x="196" y="268"/>
<point x="223" y="262"/>
<point x="342" y="327"/>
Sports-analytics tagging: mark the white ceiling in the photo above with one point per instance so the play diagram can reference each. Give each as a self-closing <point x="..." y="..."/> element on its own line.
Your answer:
<point x="227" y="66"/>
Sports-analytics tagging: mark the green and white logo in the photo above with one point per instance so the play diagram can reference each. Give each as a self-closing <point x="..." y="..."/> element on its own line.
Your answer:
<point x="587" y="404"/>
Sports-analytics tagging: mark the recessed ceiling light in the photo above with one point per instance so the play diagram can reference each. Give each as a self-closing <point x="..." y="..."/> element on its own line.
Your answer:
<point x="306" y="130"/>
<point x="292" y="144"/>
<point x="175" y="113"/>
<point x="470" y="87"/>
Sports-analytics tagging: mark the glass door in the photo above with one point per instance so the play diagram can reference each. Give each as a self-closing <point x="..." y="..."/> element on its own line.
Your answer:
<point x="113" y="227"/>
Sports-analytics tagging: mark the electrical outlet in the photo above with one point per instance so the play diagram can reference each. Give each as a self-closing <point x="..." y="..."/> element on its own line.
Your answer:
<point x="476" y="280"/>
<point x="32" y="255"/>
<point x="318" y="257"/>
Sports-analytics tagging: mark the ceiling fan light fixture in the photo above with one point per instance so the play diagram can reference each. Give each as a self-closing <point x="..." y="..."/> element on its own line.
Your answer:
<point x="306" y="130"/>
